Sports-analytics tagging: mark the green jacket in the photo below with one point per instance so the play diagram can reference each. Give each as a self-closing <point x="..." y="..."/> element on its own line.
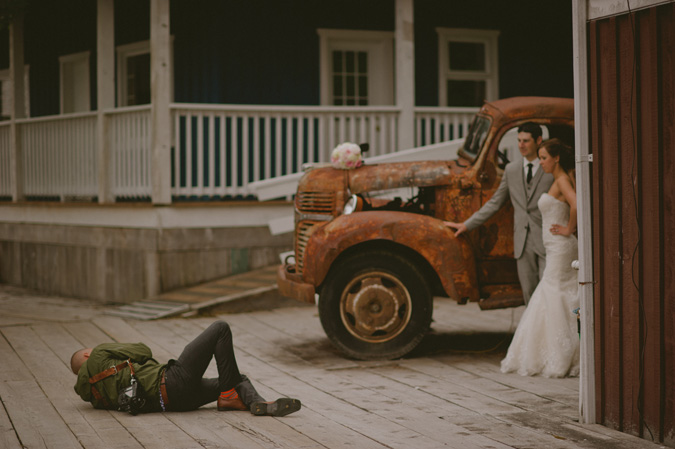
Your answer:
<point x="104" y="356"/>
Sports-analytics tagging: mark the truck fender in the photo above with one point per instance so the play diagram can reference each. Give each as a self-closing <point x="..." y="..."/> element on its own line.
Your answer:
<point x="452" y="258"/>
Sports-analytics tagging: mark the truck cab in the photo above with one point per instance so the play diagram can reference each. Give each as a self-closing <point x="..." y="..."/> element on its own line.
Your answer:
<point x="372" y="246"/>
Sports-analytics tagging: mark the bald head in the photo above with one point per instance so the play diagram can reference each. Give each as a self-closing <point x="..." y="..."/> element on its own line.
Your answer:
<point x="78" y="359"/>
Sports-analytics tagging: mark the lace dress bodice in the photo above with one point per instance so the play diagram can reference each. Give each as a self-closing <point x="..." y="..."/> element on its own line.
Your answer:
<point x="554" y="211"/>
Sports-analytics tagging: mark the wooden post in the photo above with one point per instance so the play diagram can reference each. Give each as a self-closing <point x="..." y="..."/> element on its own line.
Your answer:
<point x="584" y="187"/>
<point x="160" y="77"/>
<point x="105" y="93"/>
<point x="18" y="109"/>
<point x="405" y="73"/>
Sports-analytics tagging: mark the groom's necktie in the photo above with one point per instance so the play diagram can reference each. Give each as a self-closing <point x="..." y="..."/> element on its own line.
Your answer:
<point x="529" y="172"/>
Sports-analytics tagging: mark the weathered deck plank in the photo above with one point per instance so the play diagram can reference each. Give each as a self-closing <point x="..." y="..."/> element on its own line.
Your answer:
<point x="56" y="381"/>
<point x="450" y="393"/>
<point x="32" y="403"/>
<point x="345" y="402"/>
<point x="8" y="436"/>
<point x="416" y="410"/>
<point x="319" y="418"/>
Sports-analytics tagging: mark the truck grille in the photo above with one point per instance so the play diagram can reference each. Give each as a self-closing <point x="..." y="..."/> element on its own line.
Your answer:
<point x="304" y="231"/>
<point x="315" y="202"/>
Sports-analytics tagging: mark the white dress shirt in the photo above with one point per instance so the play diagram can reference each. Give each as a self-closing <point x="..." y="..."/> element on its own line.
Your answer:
<point x="535" y="167"/>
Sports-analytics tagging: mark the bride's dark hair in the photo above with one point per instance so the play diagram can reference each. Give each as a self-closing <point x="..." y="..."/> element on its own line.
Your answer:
<point x="556" y="147"/>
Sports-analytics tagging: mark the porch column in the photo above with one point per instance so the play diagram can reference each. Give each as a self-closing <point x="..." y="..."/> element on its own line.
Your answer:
<point x="587" y="409"/>
<point x="405" y="73"/>
<point x="160" y="67"/>
<point x="18" y="110"/>
<point x="105" y="92"/>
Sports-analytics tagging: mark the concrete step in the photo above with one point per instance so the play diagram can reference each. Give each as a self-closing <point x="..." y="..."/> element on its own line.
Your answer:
<point x="200" y="297"/>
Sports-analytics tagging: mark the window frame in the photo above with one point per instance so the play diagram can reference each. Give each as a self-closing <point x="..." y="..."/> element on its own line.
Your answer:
<point x="380" y="48"/>
<point x="489" y="38"/>
<point x="74" y="57"/>
<point x="124" y="52"/>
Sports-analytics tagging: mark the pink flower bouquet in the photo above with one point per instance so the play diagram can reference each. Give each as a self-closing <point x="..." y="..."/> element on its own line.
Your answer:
<point x="346" y="156"/>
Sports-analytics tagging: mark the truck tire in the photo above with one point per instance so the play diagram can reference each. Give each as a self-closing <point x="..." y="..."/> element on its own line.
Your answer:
<point x="375" y="305"/>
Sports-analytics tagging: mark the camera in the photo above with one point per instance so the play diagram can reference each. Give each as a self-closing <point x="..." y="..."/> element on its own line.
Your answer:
<point x="131" y="398"/>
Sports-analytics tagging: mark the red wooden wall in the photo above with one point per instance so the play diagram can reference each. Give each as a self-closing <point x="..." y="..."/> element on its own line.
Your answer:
<point x="632" y="139"/>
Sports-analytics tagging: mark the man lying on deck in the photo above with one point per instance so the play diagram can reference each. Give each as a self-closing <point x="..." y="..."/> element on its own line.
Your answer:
<point x="124" y="376"/>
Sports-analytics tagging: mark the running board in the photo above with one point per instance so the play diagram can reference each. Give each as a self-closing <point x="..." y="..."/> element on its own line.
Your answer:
<point x="501" y="297"/>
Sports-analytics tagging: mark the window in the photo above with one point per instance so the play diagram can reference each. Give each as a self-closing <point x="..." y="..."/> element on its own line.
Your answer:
<point x="75" y="91"/>
<point x="6" y="93"/>
<point x="468" y="67"/>
<point x="356" y="67"/>
<point x="476" y="138"/>
<point x="350" y="78"/>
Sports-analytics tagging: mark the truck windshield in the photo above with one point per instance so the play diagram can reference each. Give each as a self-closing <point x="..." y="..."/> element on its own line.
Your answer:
<point x="476" y="138"/>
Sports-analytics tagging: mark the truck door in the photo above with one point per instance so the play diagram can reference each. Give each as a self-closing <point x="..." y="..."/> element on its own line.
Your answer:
<point x="496" y="265"/>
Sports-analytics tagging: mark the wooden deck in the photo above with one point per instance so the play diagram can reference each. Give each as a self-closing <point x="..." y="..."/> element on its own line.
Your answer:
<point x="449" y="394"/>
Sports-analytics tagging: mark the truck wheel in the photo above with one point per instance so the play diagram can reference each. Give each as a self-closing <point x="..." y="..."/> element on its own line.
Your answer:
<point x="375" y="305"/>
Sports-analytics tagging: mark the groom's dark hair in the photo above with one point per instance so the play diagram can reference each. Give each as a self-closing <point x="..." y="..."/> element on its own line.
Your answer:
<point x="532" y="128"/>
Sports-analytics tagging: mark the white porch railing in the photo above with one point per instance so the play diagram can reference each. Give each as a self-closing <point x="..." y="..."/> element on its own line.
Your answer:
<point x="434" y="125"/>
<point x="5" y="160"/>
<point x="220" y="149"/>
<point x="59" y="155"/>
<point x="217" y="150"/>
<point x="129" y="136"/>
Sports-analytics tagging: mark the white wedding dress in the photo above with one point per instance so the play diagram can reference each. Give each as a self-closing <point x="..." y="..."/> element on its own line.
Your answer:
<point x="546" y="341"/>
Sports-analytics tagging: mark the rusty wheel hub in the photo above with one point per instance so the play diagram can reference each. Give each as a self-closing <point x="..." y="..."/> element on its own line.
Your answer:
<point x="375" y="307"/>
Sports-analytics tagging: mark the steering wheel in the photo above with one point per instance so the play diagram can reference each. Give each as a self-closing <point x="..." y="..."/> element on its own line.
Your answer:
<point x="503" y="158"/>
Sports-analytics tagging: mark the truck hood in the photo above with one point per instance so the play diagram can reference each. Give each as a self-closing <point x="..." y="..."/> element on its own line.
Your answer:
<point x="370" y="178"/>
<point x="401" y="174"/>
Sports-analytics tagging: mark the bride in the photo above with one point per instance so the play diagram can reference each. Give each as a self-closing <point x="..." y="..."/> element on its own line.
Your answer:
<point x="546" y="340"/>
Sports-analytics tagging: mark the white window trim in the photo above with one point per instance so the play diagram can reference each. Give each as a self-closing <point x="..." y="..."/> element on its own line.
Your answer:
<point x="73" y="58"/>
<point x="135" y="49"/>
<point x="491" y="73"/>
<point x="380" y="68"/>
<point x="5" y="78"/>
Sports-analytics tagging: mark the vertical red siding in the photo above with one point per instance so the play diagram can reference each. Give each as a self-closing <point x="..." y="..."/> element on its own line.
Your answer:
<point x="628" y="234"/>
<point x="667" y="269"/>
<point x="651" y="196"/>
<point x="632" y="114"/>
<point x="609" y="220"/>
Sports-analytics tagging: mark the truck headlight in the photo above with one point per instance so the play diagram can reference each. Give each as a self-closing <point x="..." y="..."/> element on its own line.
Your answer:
<point x="354" y="204"/>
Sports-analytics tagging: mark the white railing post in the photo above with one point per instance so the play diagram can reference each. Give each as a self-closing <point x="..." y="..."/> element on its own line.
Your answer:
<point x="405" y="74"/>
<point x="160" y="97"/>
<point x="16" y="70"/>
<point x="105" y="93"/>
<point x="105" y="99"/>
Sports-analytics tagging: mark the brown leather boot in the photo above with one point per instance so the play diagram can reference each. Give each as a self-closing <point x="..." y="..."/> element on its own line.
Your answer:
<point x="280" y="407"/>
<point x="230" y="400"/>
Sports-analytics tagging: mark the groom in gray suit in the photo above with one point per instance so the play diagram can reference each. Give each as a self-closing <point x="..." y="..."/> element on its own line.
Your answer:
<point x="524" y="181"/>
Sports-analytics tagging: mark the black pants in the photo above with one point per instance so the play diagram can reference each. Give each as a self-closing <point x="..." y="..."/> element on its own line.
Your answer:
<point x="186" y="388"/>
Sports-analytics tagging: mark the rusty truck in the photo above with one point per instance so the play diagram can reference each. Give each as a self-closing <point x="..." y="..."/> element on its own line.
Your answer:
<point x="372" y="249"/>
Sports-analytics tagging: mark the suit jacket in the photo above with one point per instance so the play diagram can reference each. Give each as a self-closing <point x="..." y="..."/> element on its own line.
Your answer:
<point x="527" y="217"/>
